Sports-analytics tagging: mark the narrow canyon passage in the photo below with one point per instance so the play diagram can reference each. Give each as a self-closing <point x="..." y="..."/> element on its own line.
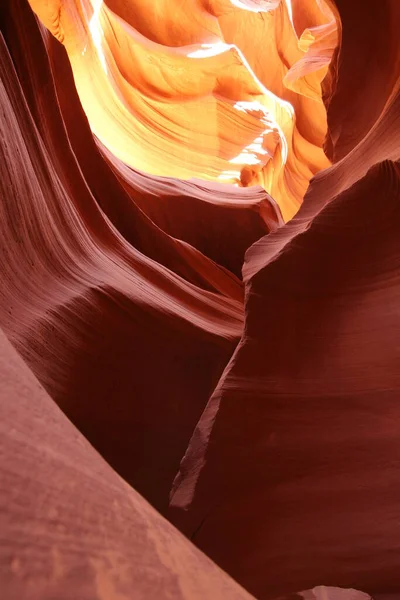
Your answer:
<point x="200" y="268"/>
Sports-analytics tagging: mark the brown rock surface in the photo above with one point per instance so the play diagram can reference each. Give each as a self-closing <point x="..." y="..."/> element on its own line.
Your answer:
<point x="296" y="457"/>
<point x="174" y="318"/>
<point x="70" y="527"/>
<point x="98" y="311"/>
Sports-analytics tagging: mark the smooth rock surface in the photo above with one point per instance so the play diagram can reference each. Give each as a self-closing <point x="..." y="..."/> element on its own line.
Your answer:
<point x="70" y="527"/>
<point x="149" y="159"/>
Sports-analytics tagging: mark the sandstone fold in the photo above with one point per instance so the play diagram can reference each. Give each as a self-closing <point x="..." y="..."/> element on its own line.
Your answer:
<point x="184" y="92"/>
<point x="127" y="327"/>
<point x="200" y="264"/>
<point x="295" y="458"/>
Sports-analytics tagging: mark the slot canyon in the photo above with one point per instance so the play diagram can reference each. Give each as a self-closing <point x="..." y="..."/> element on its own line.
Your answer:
<point x="200" y="300"/>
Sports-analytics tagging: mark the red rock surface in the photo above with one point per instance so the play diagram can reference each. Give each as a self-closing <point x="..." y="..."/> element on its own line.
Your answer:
<point x="296" y="457"/>
<point x="127" y="327"/>
<point x="70" y="527"/>
<point x="180" y="321"/>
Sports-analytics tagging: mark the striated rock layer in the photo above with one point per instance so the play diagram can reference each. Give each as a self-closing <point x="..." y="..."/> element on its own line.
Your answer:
<point x="125" y="325"/>
<point x="179" y="321"/>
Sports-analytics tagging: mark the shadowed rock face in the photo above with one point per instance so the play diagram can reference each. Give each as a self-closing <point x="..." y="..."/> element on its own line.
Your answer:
<point x="243" y="369"/>
<point x="97" y="297"/>
<point x="297" y="453"/>
<point x="70" y="527"/>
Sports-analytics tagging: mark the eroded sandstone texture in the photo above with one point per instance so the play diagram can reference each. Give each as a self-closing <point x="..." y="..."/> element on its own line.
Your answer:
<point x="200" y="264"/>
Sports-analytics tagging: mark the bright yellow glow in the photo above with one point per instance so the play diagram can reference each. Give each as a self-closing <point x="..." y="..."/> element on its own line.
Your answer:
<point x="176" y="89"/>
<point x="256" y="6"/>
<point x="207" y="50"/>
<point x="290" y="10"/>
<point x="97" y="33"/>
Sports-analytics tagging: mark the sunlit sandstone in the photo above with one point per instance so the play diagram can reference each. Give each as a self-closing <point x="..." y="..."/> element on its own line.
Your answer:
<point x="220" y="90"/>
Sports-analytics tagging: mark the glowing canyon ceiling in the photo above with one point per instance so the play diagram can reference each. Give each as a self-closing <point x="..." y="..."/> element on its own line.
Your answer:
<point x="214" y="89"/>
<point x="200" y="299"/>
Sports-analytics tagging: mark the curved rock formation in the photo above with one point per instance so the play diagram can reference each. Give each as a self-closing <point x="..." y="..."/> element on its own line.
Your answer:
<point x="298" y="446"/>
<point x="296" y="454"/>
<point x="96" y="310"/>
<point x="188" y="96"/>
<point x="177" y="320"/>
